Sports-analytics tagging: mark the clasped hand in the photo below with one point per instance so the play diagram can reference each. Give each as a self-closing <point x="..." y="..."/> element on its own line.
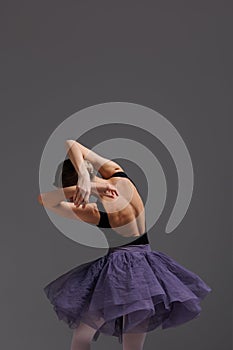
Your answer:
<point x="85" y="188"/>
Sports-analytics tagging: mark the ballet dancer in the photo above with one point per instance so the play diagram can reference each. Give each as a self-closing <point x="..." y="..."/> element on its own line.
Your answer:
<point x="132" y="289"/>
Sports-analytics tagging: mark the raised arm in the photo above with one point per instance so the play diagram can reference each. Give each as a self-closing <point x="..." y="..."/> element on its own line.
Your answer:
<point x="83" y="188"/>
<point x="103" y="165"/>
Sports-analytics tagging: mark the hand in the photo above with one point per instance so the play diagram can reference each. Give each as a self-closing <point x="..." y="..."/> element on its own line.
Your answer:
<point x="104" y="189"/>
<point x="83" y="191"/>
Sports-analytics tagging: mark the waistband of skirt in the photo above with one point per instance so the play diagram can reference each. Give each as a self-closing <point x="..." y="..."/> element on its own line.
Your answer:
<point x="131" y="248"/>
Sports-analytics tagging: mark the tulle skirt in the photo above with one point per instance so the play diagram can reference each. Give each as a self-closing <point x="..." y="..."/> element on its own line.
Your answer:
<point x="131" y="289"/>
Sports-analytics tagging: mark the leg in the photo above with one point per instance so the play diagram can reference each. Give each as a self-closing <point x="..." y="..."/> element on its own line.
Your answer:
<point x="82" y="337"/>
<point x="133" y="341"/>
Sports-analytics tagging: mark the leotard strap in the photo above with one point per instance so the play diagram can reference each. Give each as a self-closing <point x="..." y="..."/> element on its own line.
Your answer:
<point x="121" y="174"/>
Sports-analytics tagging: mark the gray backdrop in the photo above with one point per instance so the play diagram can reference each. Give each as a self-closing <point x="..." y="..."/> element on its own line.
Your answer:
<point x="58" y="57"/>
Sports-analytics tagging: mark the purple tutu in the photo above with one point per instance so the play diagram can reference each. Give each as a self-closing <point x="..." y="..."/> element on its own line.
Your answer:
<point x="131" y="289"/>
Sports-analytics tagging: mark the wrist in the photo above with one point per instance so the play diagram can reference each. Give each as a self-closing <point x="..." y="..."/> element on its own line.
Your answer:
<point x="94" y="189"/>
<point x="83" y="172"/>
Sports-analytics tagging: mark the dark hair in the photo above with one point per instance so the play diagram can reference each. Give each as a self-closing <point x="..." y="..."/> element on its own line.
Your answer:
<point x="66" y="174"/>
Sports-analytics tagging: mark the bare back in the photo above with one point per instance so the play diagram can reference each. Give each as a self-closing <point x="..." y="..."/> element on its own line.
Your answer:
<point x="126" y="209"/>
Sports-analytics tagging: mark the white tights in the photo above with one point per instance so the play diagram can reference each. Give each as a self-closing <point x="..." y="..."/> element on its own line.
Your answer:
<point x="82" y="338"/>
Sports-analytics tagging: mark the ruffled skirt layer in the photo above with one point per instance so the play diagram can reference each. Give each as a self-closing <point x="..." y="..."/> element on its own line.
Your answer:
<point x="131" y="289"/>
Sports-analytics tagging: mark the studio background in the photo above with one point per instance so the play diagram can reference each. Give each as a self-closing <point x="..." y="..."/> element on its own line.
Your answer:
<point x="59" y="57"/>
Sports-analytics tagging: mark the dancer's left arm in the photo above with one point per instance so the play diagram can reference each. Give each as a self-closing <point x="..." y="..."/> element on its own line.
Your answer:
<point x="55" y="201"/>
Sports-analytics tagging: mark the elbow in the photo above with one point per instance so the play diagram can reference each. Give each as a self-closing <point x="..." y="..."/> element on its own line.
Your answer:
<point x="69" y="143"/>
<point x="46" y="203"/>
<point x="39" y="198"/>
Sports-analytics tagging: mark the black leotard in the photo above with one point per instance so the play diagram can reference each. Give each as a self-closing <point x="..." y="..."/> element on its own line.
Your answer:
<point x="112" y="236"/>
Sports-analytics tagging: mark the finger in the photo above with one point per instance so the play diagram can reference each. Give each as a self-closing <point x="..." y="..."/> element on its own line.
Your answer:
<point x="86" y="197"/>
<point x="113" y="188"/>
<point x="109" y="194"/>
<point x="83" y="199"/>
<point x="83" y="204"/>
<point x="79" y="202"/>
<point x="114" y="192"/>
<point x="75" y="194"/>
<point x="79" y="198"/>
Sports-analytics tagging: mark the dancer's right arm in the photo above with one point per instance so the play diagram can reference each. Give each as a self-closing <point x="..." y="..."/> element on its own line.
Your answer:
<point x="77" y="153"/>
<point x="103" y="165"/>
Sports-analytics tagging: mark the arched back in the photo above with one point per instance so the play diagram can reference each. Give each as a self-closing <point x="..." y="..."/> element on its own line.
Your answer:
<point x="113" y="238"/>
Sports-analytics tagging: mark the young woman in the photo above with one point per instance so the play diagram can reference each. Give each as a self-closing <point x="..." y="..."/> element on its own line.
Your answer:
<point x="132" y="289"/>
